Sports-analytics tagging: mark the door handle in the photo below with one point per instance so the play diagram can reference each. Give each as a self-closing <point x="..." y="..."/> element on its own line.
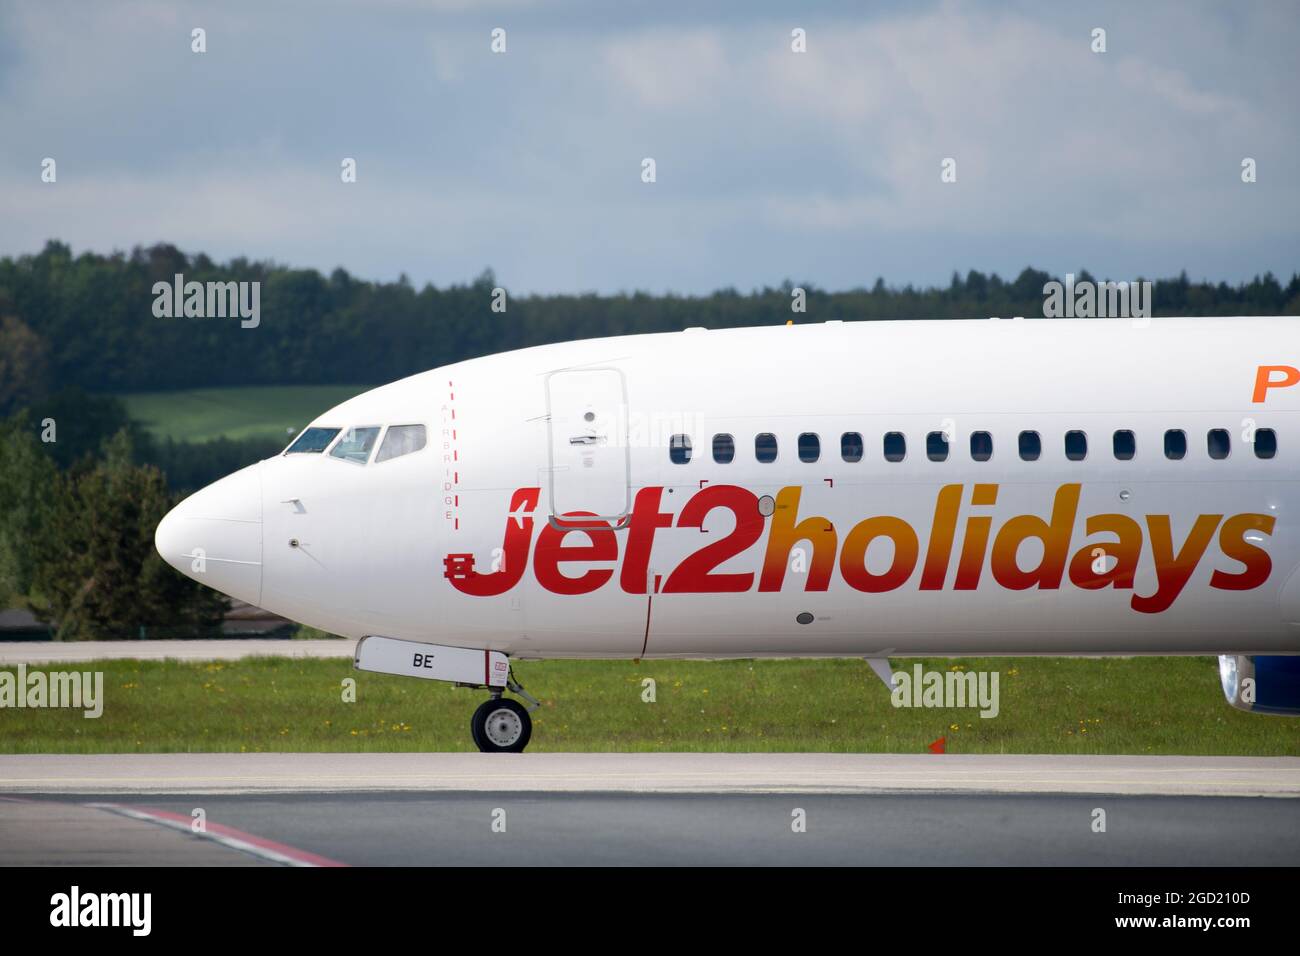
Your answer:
<point x="587" y="439"/>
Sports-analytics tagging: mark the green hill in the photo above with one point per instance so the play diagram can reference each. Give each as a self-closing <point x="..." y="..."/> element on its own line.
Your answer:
<point x="262" y="411"/>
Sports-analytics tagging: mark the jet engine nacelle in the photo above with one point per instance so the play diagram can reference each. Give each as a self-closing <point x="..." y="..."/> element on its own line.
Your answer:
<point x="1262" y="685"/>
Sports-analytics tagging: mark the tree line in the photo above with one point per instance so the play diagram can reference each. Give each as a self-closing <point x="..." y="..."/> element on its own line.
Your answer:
<point x="89" y="321"/>
<point x="76" y="543"/>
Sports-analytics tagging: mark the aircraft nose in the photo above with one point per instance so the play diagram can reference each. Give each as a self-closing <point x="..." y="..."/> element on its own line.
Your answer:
<point x="215" y="535"/>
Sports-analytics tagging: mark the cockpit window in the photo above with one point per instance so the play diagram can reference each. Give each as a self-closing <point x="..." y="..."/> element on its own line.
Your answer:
<point x="401" y="440"/>
<point x="313" y="441"/>
<point x="356" y="443"/>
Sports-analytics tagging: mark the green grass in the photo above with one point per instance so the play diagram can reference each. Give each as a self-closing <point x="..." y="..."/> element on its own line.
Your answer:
<point x="1134" y="706"/>
<point x="201" y="414"/>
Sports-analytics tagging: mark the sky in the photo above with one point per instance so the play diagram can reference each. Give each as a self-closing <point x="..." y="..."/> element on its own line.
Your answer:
<point x="820" y="167"/>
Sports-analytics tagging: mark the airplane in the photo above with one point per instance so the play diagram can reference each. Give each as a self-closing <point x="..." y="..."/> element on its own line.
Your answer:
<point x="841" y="489"/>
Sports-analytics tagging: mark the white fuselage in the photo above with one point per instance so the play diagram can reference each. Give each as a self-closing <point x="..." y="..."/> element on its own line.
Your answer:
<point x="478" y="539"/>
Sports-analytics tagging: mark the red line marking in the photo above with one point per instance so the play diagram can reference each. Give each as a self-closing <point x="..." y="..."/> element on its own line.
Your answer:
<point x="487" y="676"/>
<point x="457" y="525"/>
<point x="455" y="455"/>
<point x="456" y="499"/>
<point x="302" y="856"/>
<point x="453" y="414"/>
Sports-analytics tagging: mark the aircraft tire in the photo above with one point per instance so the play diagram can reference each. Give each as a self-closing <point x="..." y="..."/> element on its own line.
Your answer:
<point x="501" y="726"/>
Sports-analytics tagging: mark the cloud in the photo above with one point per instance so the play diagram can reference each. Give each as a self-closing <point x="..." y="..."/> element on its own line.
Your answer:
<point x="771" y="164"/>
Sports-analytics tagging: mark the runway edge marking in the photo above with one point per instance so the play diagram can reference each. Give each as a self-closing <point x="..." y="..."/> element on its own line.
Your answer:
<point x="226" y="836"/>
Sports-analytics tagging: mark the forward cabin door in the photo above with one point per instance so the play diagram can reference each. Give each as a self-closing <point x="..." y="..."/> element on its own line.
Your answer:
<point x="589" y="454"/>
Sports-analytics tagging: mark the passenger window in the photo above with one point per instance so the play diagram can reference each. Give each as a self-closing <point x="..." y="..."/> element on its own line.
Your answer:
<point x="981" y="446"/>
<point x="1218" y="443"/>
<point x="1175" y="444"/>
<point x="312" y="441"/>
<point x="765" y="447"/>
<point x="936" y="446"/>
<point x="724" y="449"/>
<point x="1265" y="443"/>
<point x="679" y="449"/>
<point x="851" y="446"/>
<point x="895" y="446"/>
<point x="1125" y="444"/>
<point x="1076" y="445"/>
<point x="401" y="440"/>
<point x="1031" y="446"/>
<point x="355" y="445"/>
<point x="810" y="447"/>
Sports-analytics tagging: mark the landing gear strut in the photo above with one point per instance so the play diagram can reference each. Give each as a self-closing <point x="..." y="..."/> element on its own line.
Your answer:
<point x="501" y="725"/>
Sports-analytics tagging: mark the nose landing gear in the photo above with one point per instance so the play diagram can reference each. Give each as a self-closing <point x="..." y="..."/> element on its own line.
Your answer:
<point x="501" y="725"/>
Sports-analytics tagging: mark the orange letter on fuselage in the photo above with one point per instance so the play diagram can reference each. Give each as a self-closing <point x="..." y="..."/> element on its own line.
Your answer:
<point x="1264" y="380"/>
<point x="1173" y="570"/>
<point x="785" y="534"/>
<point x="1256" y="561"/>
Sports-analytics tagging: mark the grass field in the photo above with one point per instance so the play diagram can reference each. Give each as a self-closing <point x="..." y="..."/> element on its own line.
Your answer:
<point x="1134" y="706"/>
<point x="201" y="414"/>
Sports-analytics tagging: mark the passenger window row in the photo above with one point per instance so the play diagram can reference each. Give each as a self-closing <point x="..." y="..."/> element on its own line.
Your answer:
<point x="1218" y="445"/>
